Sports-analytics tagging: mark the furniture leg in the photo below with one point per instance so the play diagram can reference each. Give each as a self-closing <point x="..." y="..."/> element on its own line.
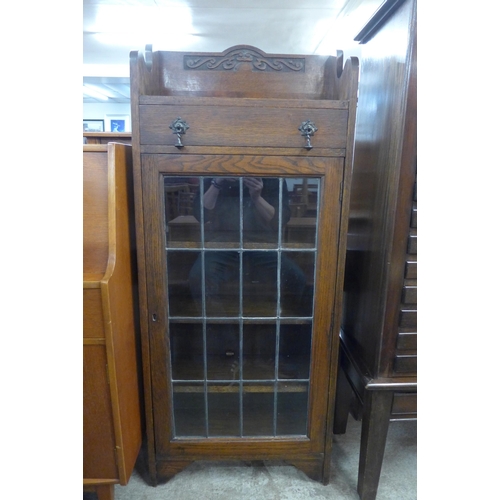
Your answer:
<point x="375" y="424"/>
<point x="342" y="403"/>
<point x="105" y="491"/>
<point x="311" y="467"/>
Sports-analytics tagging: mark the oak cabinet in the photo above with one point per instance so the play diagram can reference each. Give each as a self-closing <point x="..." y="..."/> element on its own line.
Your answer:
<point x="241" y="169"/>
<point x="112" y="428"/>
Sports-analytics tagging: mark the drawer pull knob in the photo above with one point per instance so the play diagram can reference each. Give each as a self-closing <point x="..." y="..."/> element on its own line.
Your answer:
<point x="179" y="127"/>
<point x="307" y="130"/>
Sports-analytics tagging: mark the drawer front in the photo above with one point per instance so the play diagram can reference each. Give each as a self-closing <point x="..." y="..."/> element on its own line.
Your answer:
<point x="233" y="126"/>
<point x="412" y="242"/>
<point x="408" y="319"/>
<point x="93" y="319"/>
<point x="405" y="364"/>
<point x="411" y="269"/>
<point x="413" y="221"/>
<point x="409" y="294"/>
<point x="407" y="341"/>
<point x="404" y="405"/>
<point x="405" y="359"/>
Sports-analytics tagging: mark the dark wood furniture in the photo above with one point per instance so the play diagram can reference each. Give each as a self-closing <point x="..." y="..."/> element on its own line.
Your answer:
<point x="111" y="408"/>
<point x="379" y="327"/>
<point x="256" y="379"/>
<point x="105" y="137"/>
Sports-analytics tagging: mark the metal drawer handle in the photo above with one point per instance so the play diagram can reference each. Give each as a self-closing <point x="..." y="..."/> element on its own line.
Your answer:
<point x="307" y="130"/>
<point x="179" y="127"/>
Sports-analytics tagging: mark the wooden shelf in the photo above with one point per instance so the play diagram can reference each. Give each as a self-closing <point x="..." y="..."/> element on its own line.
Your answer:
<point x="256" y="310"/>
<point x="235" y="388"/>
<point x="105" y="137"/>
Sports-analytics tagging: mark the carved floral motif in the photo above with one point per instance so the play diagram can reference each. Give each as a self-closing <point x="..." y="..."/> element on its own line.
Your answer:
<point x="232" y="60"/>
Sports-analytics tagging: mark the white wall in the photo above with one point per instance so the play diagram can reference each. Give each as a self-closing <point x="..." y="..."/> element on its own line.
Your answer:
<point x="98" y="111"/>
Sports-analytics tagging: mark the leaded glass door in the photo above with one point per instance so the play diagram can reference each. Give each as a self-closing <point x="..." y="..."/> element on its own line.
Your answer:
<point x="241" y="307"/>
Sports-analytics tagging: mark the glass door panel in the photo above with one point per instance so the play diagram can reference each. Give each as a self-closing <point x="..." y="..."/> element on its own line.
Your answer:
<point x="297" y="283"/>
<point x="295" y="351"/>
<point x="241" y="260"/>
<point x="223" y="351"/>
<point x="292" y="409"/>
<point x="259" y="351"/>
<point x="223" y="411"/>
<point x="189" y="410"/>
<point x="181" y="273"/>
<point x="258" y="410"/>
<point x="259" y="282"/>
<point x="187" y="351"/>
<point x="182" y="229"/>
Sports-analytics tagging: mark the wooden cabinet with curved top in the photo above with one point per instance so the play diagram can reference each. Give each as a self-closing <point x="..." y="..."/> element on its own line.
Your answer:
<point x="240" y="295"/>
<point x="111" y="405"/>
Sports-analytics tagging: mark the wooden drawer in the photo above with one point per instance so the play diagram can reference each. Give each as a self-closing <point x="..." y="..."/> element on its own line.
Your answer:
<point x="242" y="122"/>
<point x="405" y="363"/>
<point x="408" y="318"/>
<point x="409" y="295"/>
<point x="93" y="319"/>
<point x="412" y="242"/>
<point x="413" y="220"/>
<point x="411" y="269"/>
<point x="404" y="404"/>
<point x="407" y="341"/>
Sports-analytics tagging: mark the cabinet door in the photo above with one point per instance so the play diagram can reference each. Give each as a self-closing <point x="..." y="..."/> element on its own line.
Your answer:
<point x="241" y="253"/>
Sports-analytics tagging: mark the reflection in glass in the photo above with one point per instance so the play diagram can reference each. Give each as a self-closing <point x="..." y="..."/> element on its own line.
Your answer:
<point x="243" y="209"/>
<point x="214" y="283"/>
<point x="259" y="283"/>
<point x="259" y="351"/>
<point x="297" y="290"/>
<point x="223" y="346"/>
<point x="189" y="410"/>
<point x="179" y="267"/>
<point x="179" y="193"/>
<point x="241" y="257"/>
<point x="186" y="351"/>
<point x="292" y="409"/>
<point x="258" y="410"/>
<point x="223" y="412"/>
<point x="295" y="351"/>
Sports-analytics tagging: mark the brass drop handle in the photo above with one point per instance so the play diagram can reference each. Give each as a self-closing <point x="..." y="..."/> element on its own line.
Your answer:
<point x="179" y="127"/>
<point x="307" y="130"/>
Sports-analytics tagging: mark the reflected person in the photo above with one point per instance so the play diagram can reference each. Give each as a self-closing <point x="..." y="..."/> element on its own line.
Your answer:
<point x="258" y="211"/>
